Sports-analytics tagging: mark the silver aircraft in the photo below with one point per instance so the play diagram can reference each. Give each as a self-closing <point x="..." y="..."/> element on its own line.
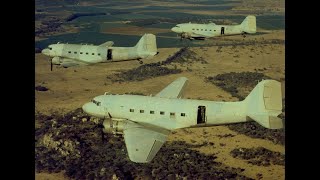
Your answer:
<point x="146" y="121"/>
<point x="201" y="31"/>
<point x="67" y="55"/>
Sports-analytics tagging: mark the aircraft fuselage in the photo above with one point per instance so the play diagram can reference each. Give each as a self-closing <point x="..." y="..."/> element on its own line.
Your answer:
<point x="93" y="54"/>
<point x="77" y="54"/>
<point x="166" y="113"/>
<point x="201" y="31"/>
<point x="208" y="30"/>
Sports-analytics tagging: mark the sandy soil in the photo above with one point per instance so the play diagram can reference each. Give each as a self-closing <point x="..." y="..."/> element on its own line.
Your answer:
<point x="275" y="6"/>
<point x="52" y="176"/>
<point x="72" y="87"/>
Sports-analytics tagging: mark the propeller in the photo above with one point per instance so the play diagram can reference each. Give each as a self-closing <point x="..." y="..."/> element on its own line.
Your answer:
<point x="51" y="64"/>
<point x="100" y="127"/>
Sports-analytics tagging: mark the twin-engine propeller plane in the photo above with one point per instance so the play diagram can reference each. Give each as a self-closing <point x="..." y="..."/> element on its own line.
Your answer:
<point x="67" y="55"/>
<point x="201" y="31"/>
<point x="146" y="121"/>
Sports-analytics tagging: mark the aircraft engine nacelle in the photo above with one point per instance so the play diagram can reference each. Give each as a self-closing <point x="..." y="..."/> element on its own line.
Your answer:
<point x="57" y="60"/>
<point x="186" y="35"/>
<point x="113" y="126"/>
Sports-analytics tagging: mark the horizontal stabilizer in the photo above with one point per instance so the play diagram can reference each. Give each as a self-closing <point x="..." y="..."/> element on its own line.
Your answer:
<point x="270" y="122"/>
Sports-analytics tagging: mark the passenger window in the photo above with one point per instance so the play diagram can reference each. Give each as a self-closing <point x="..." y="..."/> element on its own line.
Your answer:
<point x="131" y="110"/>
<point x="69" y="52"/>
<point x="92" y="53"/>
<point x="98" y="54"/>
<point x="201" y="29"/>
<point x="183" y="114"/>
<point x="75" y="52"/>
<point x="50" y="48"/>
<point x="192" y="29"/>
<point x="87" y="53"/>
<point x="205" y="29"/>
<point x="162" y="112"/>
<point x="172" y="114"/>
<point x="81" y="52"/>
<point x="197" y="29"/>
<point x="151" y="112"/>
<point x="141" y="111"/>
<point x="214" y="30"/>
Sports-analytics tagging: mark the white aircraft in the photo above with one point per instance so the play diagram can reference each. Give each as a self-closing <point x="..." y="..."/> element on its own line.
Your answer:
<point x="68" y="55"/>
<point x="146" y="121"/>
<point x="202" y="31"/>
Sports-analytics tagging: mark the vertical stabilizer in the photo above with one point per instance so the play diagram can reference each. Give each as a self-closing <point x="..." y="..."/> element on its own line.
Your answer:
<point x="248" y="25"/>
<point x="147" y="45"/>
<point x="264" y="104"/>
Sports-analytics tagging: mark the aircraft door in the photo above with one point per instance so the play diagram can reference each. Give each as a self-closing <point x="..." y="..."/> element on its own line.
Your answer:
<point x="201" y="118"/>
<point x="109" y="55"/>
<point x="222" y="30"/>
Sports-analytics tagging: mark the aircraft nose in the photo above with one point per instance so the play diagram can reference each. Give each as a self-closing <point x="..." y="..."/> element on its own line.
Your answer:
<point x="89" y="108"/>
<point x="175" y="29"/>
<point x="45" y="51"/>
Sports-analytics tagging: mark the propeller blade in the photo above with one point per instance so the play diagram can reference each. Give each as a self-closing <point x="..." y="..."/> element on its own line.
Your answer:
<point x="51" y="65"/>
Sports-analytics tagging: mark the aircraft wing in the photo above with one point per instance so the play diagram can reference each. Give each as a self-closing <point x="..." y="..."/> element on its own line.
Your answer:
<point x="175" y="89"/>
<point x="107" y="44"/>
<point x="71" y="62"/>
<point x="202" y="34"/>
<point x="143" y="143"/>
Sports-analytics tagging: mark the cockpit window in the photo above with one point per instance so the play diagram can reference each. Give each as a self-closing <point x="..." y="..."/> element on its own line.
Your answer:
<point x="178" y="26"/>
<point x="96" y="102"/>
<point x="50" y="48"/>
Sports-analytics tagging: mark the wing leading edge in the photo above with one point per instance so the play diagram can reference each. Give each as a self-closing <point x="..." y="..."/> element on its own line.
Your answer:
<point x="175" y="89"/>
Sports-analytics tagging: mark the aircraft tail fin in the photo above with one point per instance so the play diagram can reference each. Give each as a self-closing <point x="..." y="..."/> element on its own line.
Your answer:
<point x="264" y="104"/>
<point x="147" y="45"/>
<point x="248" y="25"/>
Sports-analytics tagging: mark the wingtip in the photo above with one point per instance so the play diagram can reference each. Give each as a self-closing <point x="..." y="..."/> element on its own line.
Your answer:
<point x="183" y="78"/>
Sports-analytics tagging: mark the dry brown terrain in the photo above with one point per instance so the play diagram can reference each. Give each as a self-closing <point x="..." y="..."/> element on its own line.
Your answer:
<point x="72" y="87"/>
<point x="262" y="6"/>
